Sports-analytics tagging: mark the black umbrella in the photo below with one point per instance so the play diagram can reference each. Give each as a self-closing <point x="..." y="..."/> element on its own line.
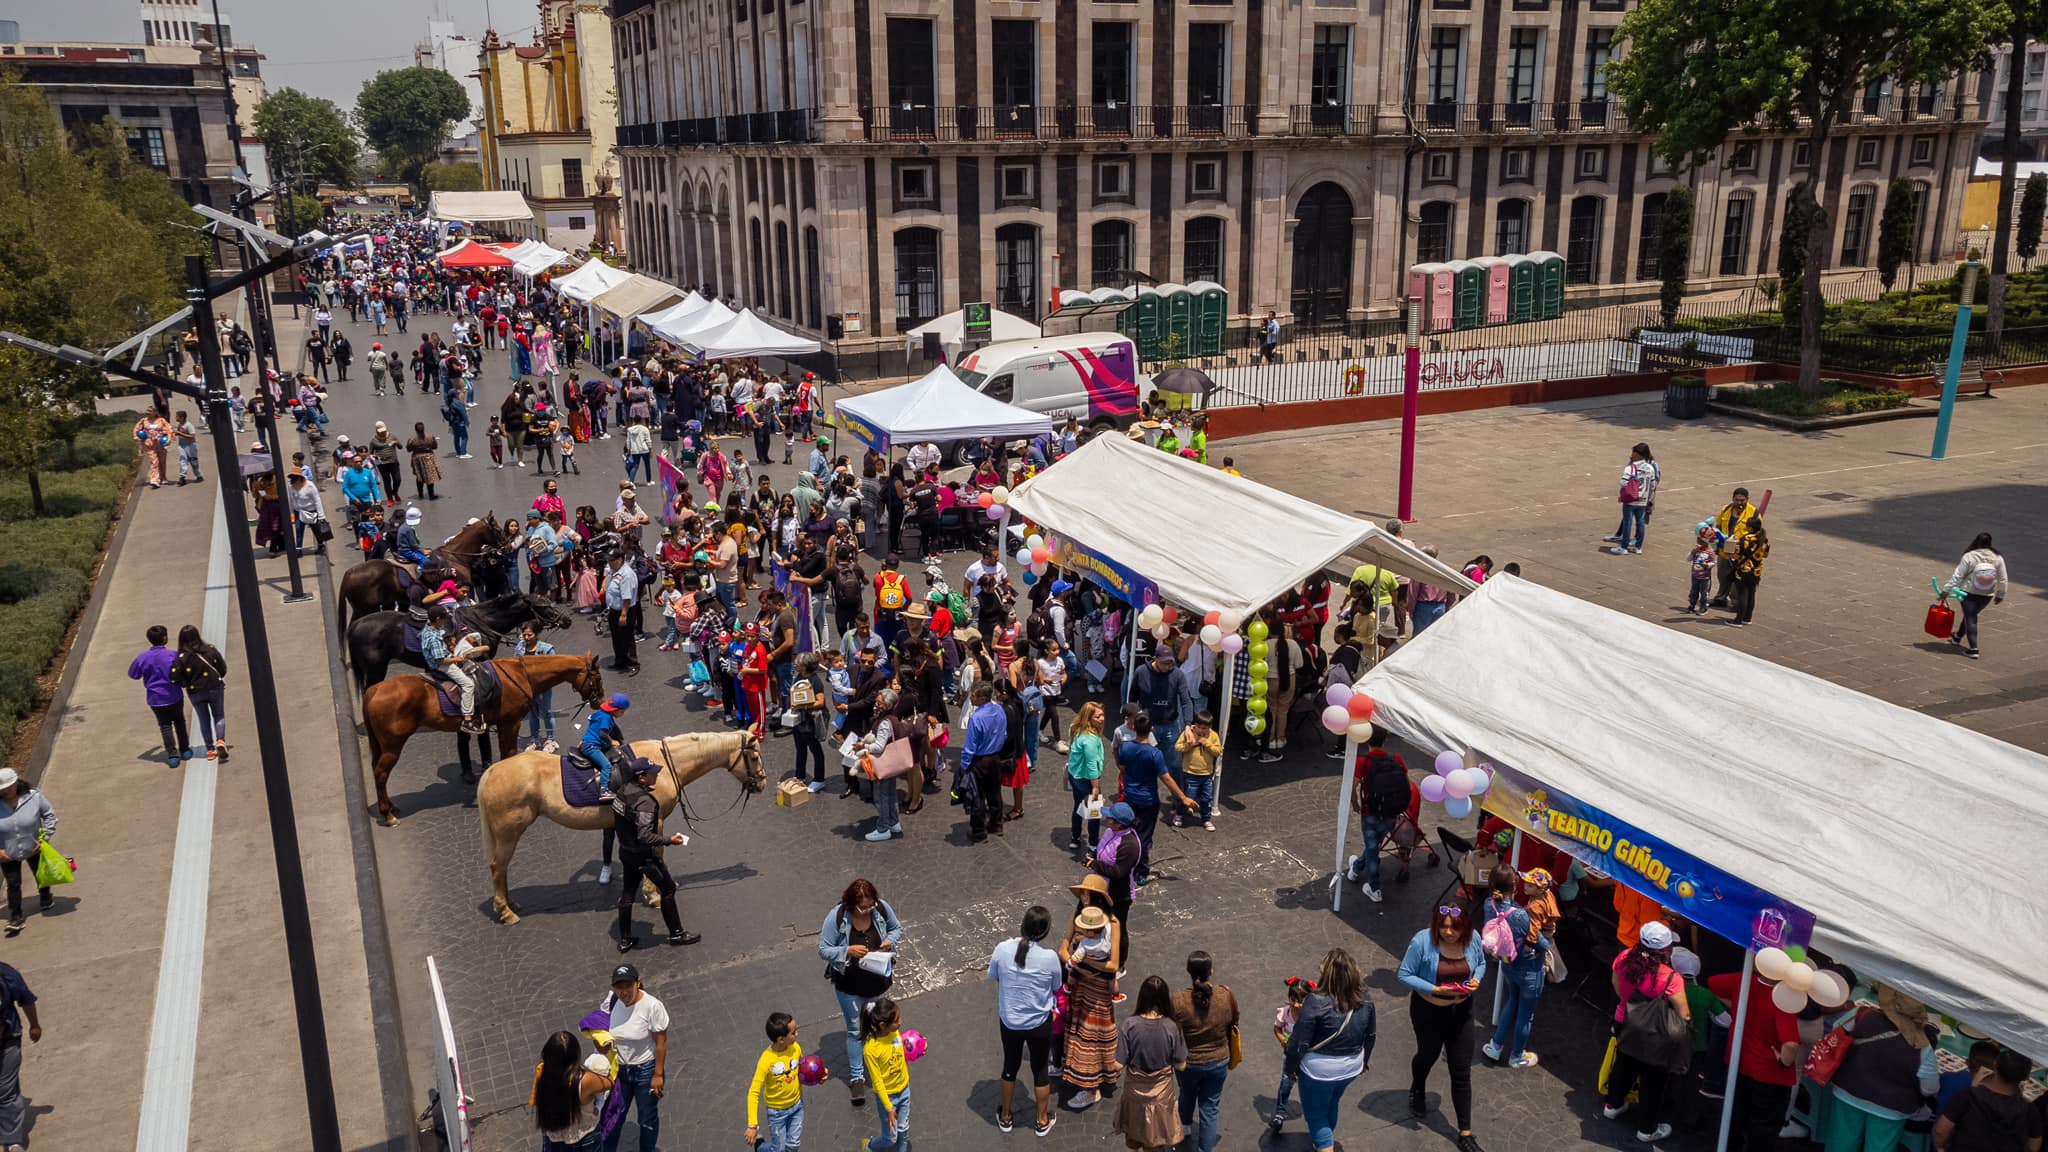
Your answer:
<point x="1185" y="381"/>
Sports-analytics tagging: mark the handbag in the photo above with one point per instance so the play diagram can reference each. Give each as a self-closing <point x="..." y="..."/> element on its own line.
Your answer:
<point x="1236" y="1047"/>
<point x="894" y="761"/>
<point x="52" y="868"/>
<point x="322" y="530"/>
<point x="1553" y="965"/>
<point x="1826" y="1057"/>
<point x="1654" y="1031"/>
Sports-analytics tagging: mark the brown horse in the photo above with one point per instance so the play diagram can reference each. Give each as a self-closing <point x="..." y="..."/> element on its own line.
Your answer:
<point x="380" y="585"/>
<point x="395" y="709"/>
<point x="518" y="790"/>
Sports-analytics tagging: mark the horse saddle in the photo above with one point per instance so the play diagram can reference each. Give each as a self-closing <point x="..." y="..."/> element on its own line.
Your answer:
<point x="487" y="691"/>
<point x="579" y="781"/>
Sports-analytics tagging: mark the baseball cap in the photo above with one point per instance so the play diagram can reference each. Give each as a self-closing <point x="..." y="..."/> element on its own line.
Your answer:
<point x="618" y="702"/>
<point x="1685" y="962"/>
<point x="1121" y="813"/>
<point x="625" y="974"/>
<point x="1657" y="936"/>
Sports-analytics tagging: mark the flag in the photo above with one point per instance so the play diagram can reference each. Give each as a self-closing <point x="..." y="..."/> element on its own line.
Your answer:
<point x="672" y="481"/>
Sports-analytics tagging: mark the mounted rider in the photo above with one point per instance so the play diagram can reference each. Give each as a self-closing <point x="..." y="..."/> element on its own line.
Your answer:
<point x="604" y="744"/>
<point x="447" y="655"/>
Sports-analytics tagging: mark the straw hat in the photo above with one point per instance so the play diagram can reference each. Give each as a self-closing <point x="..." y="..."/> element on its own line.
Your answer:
<point x="1092" y="919"/>
<point x="1093" y="882"/>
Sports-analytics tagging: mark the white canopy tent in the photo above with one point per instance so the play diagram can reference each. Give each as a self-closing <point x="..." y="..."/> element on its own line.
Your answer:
<point x="711" y="316"/>
<point x="1903" y="834"/>
<point x="480" y="207"/>
<point x="748" y="335"/>
<point x="952" y="329"/>
<point x="937" y="407"/>
<point x="634" y="295"/>
<point x="592" y="280"/>
<point x="531" y="257"/>
<point x="689" y="306"/>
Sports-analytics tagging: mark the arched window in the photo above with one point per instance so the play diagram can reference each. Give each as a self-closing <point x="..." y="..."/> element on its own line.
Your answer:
<point x="1582" y="248"/>
<point x="1017" y="270"/>
<point x="784" y="290"/>
<point x="1650" y="248"/>
<point x="1111" y="245"/>
<point x="917" y="276"/>
<point x="1511" y="228"/>
<point x="1433" y="235"/>
<point x="1202" y="249"/>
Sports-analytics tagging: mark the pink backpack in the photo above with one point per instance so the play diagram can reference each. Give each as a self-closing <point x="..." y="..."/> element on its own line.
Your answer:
<point x="1498" y="938"/>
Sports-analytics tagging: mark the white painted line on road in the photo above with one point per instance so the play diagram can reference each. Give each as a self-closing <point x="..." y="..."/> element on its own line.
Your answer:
<point x="166" y="1123"/>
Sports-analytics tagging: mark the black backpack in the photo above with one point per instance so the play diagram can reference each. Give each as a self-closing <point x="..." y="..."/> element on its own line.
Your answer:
<point x="1386" y="785"/>
<point x="848" y="581"/>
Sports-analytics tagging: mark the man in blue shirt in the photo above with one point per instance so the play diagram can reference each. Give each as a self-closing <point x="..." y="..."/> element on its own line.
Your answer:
<point x="980" y="779"/>
<point x="821" y="464"/>
<point x="604" y="742"/>
<point x="435" y="651"/>
<point x="15" y="1000"/>
<point x="621" y="598"/>
<point x="1145" y="773"/>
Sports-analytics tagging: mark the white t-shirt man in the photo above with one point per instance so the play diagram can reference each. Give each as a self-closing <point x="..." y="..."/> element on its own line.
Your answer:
<point x="633" y="1025"/>
<point x="978" y="569"/>
<point x="922" y="456"/>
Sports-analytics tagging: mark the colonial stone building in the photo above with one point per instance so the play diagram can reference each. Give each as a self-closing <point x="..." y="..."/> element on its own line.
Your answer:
<point x="853" y="167"/>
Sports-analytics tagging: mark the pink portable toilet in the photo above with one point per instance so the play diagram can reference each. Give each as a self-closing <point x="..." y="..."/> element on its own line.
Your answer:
<point x="1496" y="271"/>
<point x="1422" y="286"/>
<point x="1418" y="284"/>
<point x="1443" y="297"/>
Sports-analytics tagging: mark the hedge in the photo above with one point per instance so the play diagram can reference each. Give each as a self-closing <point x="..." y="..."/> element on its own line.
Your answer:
<point x="46" y="564"/>
<point x="1836" y="398"/>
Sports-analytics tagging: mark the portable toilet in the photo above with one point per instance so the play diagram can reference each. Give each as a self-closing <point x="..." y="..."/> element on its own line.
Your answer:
<point x="1522" y="287"/>
<point x="1496" y="270"/>
<point x="1468" y="288"/>
<point x="1178" y="306"/>
<point x="1143" y="323"/>
<point x="1434" y="284"/>
<point x="1212" y="313"/>
<point x="1550" y="285"/>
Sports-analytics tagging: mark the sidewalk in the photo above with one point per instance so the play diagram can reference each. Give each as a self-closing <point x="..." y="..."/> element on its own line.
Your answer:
<point x="177" y="883"/>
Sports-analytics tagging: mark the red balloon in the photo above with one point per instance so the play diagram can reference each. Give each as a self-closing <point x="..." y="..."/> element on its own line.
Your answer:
<point x="1360" y="706"/>
<point x="1040" y="555"/>
<point x="984" y="500"/>
<point x="1212" y="618"/>
<point x="1168" y="614"/>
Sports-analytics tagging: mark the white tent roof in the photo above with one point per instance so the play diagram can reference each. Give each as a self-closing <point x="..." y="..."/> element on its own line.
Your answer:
<point x="634" y="295"/>
<point x="712" y="315"/>
<point x="1903" y="834"/>
<point x="591" y="281"/>
<point x="938" y="407"/>
<point x="952" y="329"/>
<point x="531" y="257"/>
<point x="479" y="207"/>
<point x="748" y="335"/>
<point x="690" y="305"/>
<point x="1208" y="540"/>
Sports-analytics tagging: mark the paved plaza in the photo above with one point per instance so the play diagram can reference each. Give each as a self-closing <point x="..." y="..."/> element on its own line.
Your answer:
<point x="1859" y="518"/>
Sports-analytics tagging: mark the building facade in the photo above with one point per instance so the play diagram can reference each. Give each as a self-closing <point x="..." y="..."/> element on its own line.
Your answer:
<point x="2033" y="137"/>
<point x="184" y="23"/>
<point x="459" y="56"/>
<point x="548" y="122"/>
<point x="854" y="167"/>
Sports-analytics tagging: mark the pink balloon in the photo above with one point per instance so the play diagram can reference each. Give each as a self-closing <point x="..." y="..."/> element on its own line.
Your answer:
<point x="1458" y="783"/>
<point x="1337" y="695"/>
<point x="1336" y="719"/>
<point x="1433" y="789"/>
<point x="1233" y="643"/>
<point x="913" y="1045"/>
<point x="1448" y="762"/>
<point x="995" y="513"/>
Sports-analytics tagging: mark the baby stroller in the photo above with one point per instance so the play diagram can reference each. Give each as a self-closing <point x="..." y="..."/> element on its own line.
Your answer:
<point x="1405" y="837"/>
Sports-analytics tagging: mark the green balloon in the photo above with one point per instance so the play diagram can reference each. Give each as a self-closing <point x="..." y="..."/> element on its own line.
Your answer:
<point x="1259" y="689"/>
<point x="1797" y="953"/>
<point x="1255" y="724"/>
<point x="1257" y="630"/>
<point x="1258" y="650"/>
<point x="1256" y="705"/>
<point x="1260" y="670"/>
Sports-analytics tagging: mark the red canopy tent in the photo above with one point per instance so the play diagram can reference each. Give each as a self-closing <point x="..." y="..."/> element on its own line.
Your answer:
<point x="470" y="254"/>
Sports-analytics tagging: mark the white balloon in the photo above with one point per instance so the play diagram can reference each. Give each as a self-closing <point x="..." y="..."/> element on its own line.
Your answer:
<point x="1034" y="541"/>
<point x="1361" y="731"/>
<point x="1481" y="780"/>
<point x="1024" y="557"/>
<point x="1336" y="719"/>
<point x="1212" y="635"/>
<point x="1150" y="615"/>
<point x="1000" y="494"/>
<point x="1788" y="998"/>
<point x="1799" y="976"/>
<point x="1829" y="989"/>
<point x="1229" y="621"/>
<point x="1772" y="962"/>
<point x="1162" y="631"/>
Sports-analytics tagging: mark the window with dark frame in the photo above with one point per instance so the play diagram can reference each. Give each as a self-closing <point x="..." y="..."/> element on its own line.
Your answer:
<point x="1735" y="235"/>
<point x="1599" y="50"/>
<point x="1582" y="245"/>
<point x="1205" y="176"/>
<point x="914" y="183"/>
<point x="1446" y="58"/>
<point x="1923" y="149"/>
<point x="147" y="146"/>
<point x="1868" y="153"/>
<point x="1440" y="166"/>
<point x="1110" y="246"/>
<point x="1742" y="156"/>
<point x="1018" y="183"/>
<point x="1202" y="249"/>
<point x="1518" y="165"/>
<point x="1856" y="224"/>
<point x="1592" y="163"/>
<point x="1511" y="228"/>
<point x="917" y="276"/>
<point x="1650" y="245"/>
<point x="1113" y="181"/>
<point x="1433" y="233"/>
<point x="1525" y="57"/>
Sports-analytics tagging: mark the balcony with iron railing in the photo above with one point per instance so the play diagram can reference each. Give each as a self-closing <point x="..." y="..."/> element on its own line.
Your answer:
<point x="919" y="123"/>
<point x="787" y="127"/>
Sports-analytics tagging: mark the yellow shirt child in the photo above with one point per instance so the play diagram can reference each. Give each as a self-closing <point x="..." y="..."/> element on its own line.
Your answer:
<point x="1199" y="747"/>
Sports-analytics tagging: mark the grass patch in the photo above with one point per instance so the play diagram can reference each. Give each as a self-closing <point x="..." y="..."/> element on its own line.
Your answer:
<point x="1835" y="398"/>
<point x="46" y="564"/>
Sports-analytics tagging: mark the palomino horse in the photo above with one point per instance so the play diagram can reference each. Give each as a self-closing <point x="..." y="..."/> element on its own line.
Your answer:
<point x="395" y="709"/>
<point x="519" y="790"/>
<point x="379" y="585"/>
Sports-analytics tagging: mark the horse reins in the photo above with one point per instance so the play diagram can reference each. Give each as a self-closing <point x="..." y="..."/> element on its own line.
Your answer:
<point x="682" y="797"/>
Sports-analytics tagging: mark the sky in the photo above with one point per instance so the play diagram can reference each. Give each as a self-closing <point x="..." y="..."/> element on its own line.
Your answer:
<point x="323" y="47"/>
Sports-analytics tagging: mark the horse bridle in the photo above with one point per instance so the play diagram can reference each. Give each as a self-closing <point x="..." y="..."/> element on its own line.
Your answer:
<point x="683" y="800"/>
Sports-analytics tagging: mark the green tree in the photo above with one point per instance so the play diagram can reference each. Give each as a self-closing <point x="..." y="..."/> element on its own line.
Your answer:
<point x="440" y="177"/>
<point x="1792" y="258"/>
<point x="308" y="135"/>
<point x="1697" y="70"/>
<point x="2033" y="204"/>
<point x="1895" y="231"/>
<point x="1674" y="251"/>
<point x="405" y="113"/>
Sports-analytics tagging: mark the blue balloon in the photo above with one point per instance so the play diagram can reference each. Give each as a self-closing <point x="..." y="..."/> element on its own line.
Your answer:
<point x="1030" y="578"/>
<point x="1458" y="807"/>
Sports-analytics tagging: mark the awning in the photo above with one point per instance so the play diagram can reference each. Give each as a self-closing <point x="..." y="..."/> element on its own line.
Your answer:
<point x="636" y="295"/>
<point x="470" y="254"/>
<point x="531" y="257"/>
<point x="479" y="207"/>
<point x="938" y="407"/>
<point x="748" y="335"/>
<point x="591" y="281"/>
<point x="712" y="315"/>
<point x="1203" y="538"/>
<point x="1903" y="834"/>
<point x="690" y="305"/>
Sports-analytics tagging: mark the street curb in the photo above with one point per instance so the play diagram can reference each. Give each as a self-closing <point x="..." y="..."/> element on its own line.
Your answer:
<point x="1820" y="423"/>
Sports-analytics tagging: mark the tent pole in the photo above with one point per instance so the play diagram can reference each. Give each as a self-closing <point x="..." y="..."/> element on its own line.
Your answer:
<point x="1343" y="822"/>
<point x="1500" y="974"/>
<point x="1131" y="657"/>
<point x="1735" y="1049"/>
<point x="1223" y="729"/>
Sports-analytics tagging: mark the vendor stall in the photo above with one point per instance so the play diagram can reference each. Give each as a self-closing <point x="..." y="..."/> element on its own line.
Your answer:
<point x="748" y="335"/>
<point x="471" y="256"/>
<point x="951" y="330"/>
<point x="938" y="407"/>
<point x="590" y="281"/>
<point x="501" y="207"/>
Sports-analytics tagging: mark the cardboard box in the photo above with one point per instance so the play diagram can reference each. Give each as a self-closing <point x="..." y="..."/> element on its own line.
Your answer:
<point x="1476" y="869"/>
<point x="792" y="794"/>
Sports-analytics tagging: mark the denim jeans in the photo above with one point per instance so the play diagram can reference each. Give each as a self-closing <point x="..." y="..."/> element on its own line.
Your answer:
<point x="784" y="1129"/>
<point x="727" y="598"/>
<point x="1523" y="987"/>
<point x="1702" y="589"/>
<point x="460" y="434"/>
<point x="1082" y="790"/>
<point x="1427" y="612"/>
<point x="541" y="716"/>
<point x="1202" y="1084"/>
<point x="1319" y="1100"/>
<point x="893" y="1133"/>
<point x="636" y="1080"/>
<point x="13" y="1109"/>
<point x="1634" y="519"/>
<point x="1167" y="735"/>
<point x="1373" y="831"/>
<point x="1202" y="790"/>
<point x="849" y="1008"/>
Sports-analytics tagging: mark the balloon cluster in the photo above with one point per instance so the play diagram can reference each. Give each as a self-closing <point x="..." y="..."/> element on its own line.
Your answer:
<point x="1256" y="651"/>
<point x="1347" y="713"/>
<point x="1454" y="785"/>
<point x="994" y="502"/>
<point x="1798" y="981"/>
<point x="1035" y="555"/>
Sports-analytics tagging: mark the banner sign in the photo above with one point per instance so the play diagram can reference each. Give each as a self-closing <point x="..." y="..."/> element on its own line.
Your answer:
<point x="1724" y="904"/>
<point x="861" y="430"/>
<point x="672" y="482"/>
<point x="1120" y="581"/>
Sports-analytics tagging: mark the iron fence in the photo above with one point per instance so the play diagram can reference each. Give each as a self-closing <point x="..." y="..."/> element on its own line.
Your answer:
<point x="946" y="124"/>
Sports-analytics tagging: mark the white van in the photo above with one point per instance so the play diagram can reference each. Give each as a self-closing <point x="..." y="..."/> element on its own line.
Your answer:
<point x="1089" y="376"/>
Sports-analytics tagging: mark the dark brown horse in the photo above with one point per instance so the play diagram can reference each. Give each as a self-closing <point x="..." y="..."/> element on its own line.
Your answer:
<point x="380" y="585"/>
<point x="395" y="709"/>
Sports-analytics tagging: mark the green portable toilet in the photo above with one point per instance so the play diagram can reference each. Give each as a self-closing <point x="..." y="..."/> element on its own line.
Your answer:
<point x="1549" y="285"/>
<point x="1468" y="294"/>
<point x="1179" y="305"/>
<point x="1143" y="320"/>
<point x="1212" y="312"/>
<point x="1522" y="278"/>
